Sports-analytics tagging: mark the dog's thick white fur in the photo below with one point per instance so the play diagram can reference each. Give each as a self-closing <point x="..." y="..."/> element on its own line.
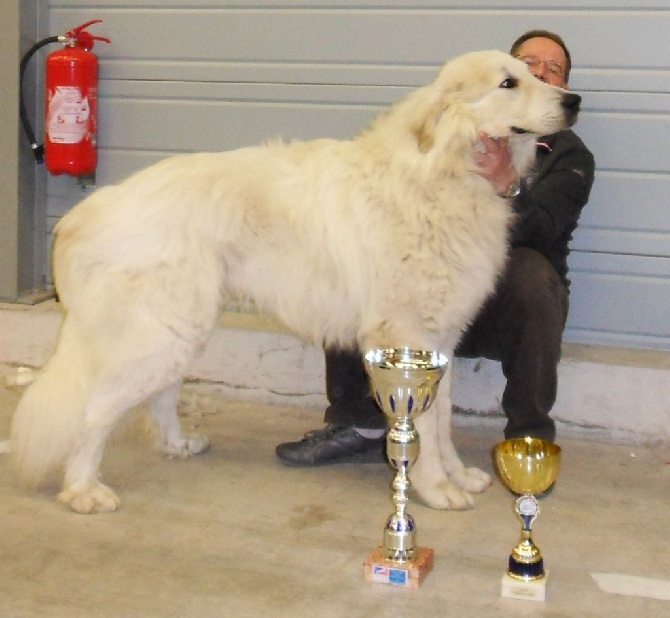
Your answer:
<point x="389" y="239"/>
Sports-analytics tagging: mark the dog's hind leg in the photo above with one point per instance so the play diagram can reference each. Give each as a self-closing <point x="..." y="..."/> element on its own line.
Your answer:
<point x="171" y="440"/>
<point x="82" y="490"/>
<point x="113" y="393"/>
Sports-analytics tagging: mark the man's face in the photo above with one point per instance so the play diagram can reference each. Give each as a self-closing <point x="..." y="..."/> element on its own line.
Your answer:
<point x="545" y="59"/>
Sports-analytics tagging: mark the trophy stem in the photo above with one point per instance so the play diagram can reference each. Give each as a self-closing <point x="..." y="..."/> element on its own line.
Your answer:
<point x="402" y="446"/>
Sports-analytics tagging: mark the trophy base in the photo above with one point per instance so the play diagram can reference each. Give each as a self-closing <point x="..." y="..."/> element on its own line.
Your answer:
<point x="408" y="574"/>
<point x="532" y="590"/>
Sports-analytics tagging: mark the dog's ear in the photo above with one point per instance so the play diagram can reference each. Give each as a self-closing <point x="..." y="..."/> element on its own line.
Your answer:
<point x="424" y="126"/>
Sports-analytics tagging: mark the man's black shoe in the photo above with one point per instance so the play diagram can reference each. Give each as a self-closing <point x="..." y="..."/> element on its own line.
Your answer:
<point x="330" y="445"/>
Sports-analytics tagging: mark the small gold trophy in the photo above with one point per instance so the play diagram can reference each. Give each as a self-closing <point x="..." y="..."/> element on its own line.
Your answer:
<point x="527" y="466"/>
<point x="405" y="383"/>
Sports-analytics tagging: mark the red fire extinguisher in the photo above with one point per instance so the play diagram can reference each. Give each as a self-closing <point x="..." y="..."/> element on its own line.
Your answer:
<point x="71" y="75"/>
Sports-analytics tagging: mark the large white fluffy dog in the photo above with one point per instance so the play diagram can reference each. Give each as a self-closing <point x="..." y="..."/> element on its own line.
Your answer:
<point x="389" y="239"/>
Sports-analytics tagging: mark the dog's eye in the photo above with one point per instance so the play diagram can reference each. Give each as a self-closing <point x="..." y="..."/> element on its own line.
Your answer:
<point x="510" y="82"/>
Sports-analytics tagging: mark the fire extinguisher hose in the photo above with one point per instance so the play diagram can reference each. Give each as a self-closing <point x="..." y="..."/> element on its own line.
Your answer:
<point x="38" y="150"/>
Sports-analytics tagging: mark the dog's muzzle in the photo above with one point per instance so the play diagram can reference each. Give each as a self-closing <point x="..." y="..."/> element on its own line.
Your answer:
<point x="571" y="104"/>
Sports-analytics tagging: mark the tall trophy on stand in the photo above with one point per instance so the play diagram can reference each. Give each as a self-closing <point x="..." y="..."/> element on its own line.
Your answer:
<point x="528" y="466"/>
<point x="405" y="383"/>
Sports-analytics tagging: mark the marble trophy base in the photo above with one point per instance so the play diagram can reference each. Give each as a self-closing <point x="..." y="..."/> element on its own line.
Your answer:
<point x="407" y="574"/>
<point x="531" y="590"/>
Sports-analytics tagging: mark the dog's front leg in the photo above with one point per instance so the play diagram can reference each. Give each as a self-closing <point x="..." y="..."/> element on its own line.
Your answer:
<point x="439" y="476"/>
<point x="469" y="479"/>
<point x="430" y="478"/>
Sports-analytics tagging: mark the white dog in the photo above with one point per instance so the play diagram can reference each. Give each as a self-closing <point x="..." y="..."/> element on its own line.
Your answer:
<point x="389" y="239"/>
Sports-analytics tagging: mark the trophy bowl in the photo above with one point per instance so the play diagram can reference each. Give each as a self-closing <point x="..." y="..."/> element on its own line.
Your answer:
<point x="405" y="380"/>
<point x="528" y="465"/>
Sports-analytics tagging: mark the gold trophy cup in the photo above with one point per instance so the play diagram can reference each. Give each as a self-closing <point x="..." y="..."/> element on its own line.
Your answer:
<point x="405" y="383"/>
<point x="528" y="466"/>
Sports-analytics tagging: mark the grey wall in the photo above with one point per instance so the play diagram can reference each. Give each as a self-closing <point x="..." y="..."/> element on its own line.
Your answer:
<point x="22" y="202"/>
<point x="206" y="75"/>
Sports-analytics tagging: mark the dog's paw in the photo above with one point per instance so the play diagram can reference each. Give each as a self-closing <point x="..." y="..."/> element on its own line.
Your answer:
<point x="436" y="490"/>
<point x="455" y="492"/>
<point x="96" y="499"/>
<point x="186" y="446"/>
<point x="445" y="495"/>
<point x="472" y="480"/>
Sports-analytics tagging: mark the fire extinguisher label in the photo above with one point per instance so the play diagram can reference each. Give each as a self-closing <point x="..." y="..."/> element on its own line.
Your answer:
<point x="67" y="115"/>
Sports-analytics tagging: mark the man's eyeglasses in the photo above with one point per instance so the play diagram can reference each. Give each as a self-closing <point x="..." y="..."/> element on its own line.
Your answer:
<point x="533" y="62"/>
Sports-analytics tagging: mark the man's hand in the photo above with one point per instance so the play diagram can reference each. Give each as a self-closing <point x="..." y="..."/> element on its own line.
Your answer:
<point x="493" y="162"/>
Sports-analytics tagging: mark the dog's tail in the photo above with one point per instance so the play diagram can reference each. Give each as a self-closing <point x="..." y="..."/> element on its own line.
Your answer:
<point x="50" y="415"/>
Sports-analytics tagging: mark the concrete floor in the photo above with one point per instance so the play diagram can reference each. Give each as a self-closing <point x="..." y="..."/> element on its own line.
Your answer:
<point x="234" y="533"/>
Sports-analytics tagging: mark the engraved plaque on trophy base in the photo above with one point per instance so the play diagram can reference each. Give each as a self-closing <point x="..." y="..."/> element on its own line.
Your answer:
<point x="532" y="590"/>
<point x="407" y="574"/>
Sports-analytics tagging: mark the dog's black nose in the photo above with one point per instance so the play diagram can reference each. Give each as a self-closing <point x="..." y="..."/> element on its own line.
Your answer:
<point x="570" y="104"/>
<point x="571" y="101"/>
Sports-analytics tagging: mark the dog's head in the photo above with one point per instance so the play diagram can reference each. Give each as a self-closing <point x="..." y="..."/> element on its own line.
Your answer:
<point x="491" y="92"/>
